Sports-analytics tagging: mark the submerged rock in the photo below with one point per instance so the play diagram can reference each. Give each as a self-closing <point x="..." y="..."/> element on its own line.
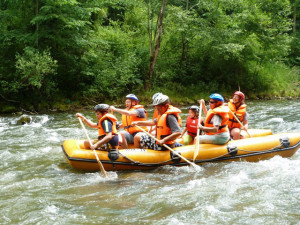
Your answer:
<point x="24" y="120"/>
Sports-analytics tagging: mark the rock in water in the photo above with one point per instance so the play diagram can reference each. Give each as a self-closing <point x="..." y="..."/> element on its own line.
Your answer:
<point x="23" y="120"/>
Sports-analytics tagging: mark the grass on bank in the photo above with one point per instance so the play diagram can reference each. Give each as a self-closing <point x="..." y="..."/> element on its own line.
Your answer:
<point x="273" y="81"/>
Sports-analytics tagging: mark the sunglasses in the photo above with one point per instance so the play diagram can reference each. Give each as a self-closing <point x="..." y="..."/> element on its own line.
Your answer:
<point x="212" y="102"/>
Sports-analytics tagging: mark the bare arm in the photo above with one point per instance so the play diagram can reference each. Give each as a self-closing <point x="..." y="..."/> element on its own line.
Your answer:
<point x="245" y="123"/>
<point x="183" y="132"/>
<point x="144" y="123"/>
<point x="171" y="137"/>
<point x="124" y="111"/>
<point x="86" y="121"/>
<point x="202" y="102"/>
<point x="213" y="129"/>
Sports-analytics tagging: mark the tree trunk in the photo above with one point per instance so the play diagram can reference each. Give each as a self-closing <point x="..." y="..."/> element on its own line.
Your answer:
<point x="37" y="24"/>
<point x="295" y="18"/>
<point x="154" y="53"/>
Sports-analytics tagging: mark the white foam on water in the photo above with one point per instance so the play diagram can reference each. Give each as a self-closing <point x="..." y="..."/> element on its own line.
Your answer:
<point x="53" y="137"/>
<point x="97" y="177"/>
<point x="52" y="209"/>
<point x="193" y="184"/>
<point x="7" y="177"/>
<point x="276" y="120"/>
<point x="46" y="149"/>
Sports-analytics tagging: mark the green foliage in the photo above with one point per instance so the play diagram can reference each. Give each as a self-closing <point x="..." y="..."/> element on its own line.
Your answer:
<point x="34" y="71"/>
<point x="100" y="50"/>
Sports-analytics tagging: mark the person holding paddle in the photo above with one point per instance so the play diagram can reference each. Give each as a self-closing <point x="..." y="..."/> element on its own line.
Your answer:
<point x="155" y="114"/>
<point x="167" y="124"/>
<point x="106" y="125"/>
<point x="132" y="112"/>
<point x="215" y="123"/>
<point x="237" y="115"/>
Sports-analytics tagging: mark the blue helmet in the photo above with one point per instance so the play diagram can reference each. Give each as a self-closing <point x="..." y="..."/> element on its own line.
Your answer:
<point x="217" y="97"/>
<point x="132" y="96"/>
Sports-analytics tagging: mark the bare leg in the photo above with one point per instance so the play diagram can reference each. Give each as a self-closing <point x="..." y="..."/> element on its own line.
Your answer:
<point x="235" y="133"/>
<point x="124" y="142"/>
<point x="137" y="139"/>
<point x="87" y="144"/>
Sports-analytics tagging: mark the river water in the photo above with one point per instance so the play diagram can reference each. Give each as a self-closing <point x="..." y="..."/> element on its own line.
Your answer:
<point x="37" y="185"/>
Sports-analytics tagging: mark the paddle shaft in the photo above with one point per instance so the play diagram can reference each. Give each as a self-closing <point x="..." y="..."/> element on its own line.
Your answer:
<point x="196" y="152"/>
<point x="239" y="122"/>
<point x="166" y="146"/>
<point x="98" y="160"/>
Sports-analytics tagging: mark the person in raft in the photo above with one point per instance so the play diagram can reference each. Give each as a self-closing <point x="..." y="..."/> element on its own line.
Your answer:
<point x="167" y="124"/>
<point x="215" y="123"/>
<point x="155" y="114"/>
<point x="132" y="112"/>
<point x="106" y="125"/>
<point x="191" y="125"/>
<point x="238" y="107"/>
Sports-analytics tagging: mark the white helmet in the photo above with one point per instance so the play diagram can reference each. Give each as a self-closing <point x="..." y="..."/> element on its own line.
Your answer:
<point x="155" y="95"/>
<point x="161" y="99"/>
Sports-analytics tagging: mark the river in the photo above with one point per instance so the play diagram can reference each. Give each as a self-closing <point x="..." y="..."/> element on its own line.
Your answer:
<point x="37" y="185"/>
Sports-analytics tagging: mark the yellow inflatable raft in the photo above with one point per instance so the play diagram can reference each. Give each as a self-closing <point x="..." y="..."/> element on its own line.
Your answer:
<point x="250" y="149"/>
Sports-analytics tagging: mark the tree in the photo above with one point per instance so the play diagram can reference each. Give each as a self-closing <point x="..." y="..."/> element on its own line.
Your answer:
<point x="157" y="40"/>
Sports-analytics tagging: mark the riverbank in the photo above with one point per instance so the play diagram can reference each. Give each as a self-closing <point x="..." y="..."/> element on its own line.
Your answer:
<point x="65" y="104"/>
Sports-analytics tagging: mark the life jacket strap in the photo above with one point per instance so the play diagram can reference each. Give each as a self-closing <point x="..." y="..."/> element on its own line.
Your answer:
<point x="221" y="127"/>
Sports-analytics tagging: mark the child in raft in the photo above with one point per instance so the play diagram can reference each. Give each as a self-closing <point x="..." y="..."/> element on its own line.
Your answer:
<point x="191" y="125"/>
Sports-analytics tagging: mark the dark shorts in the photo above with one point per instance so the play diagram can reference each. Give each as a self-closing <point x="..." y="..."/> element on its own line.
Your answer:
<point x="130" y="137"/>
<point x="113" y="142"/>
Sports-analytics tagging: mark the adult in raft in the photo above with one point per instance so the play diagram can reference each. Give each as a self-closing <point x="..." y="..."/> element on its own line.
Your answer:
<point x="238" y="107"/>
<point x="155" y="114"/>
<point x="191" y="125"/>
<point x="167" y="124"/>
<point x="132" y="112"/>
<point x="106" y="125"/>
<point x="215" y="123"/>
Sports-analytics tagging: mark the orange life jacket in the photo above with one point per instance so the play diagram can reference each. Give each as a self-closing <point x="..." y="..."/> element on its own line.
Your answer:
<point x="155" y="114"/>
<point x="127" y="120"/>
<point x="162" y="130"/>
<point x="222" y="111"/>
<point x="191" y="125"/>
<point x="240" y="114"/>
<point x="110" y="117"/>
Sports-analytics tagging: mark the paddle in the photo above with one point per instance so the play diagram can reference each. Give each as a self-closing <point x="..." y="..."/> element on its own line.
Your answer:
<point x="196" y="151"/>
<point x="239" y="122"/>
<point x="166" y="146"/>
<point x="99" y="162"/>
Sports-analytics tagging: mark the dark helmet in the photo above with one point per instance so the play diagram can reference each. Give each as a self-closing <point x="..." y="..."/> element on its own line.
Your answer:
<point x="133" y="97"/>
<point x="102" y="108"/>
<point x="241" y="94"/>
<point x="217" y="97"/>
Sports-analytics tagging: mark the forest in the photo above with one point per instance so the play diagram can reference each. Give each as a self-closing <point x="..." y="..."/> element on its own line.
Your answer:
<point x="60" y="54"/>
